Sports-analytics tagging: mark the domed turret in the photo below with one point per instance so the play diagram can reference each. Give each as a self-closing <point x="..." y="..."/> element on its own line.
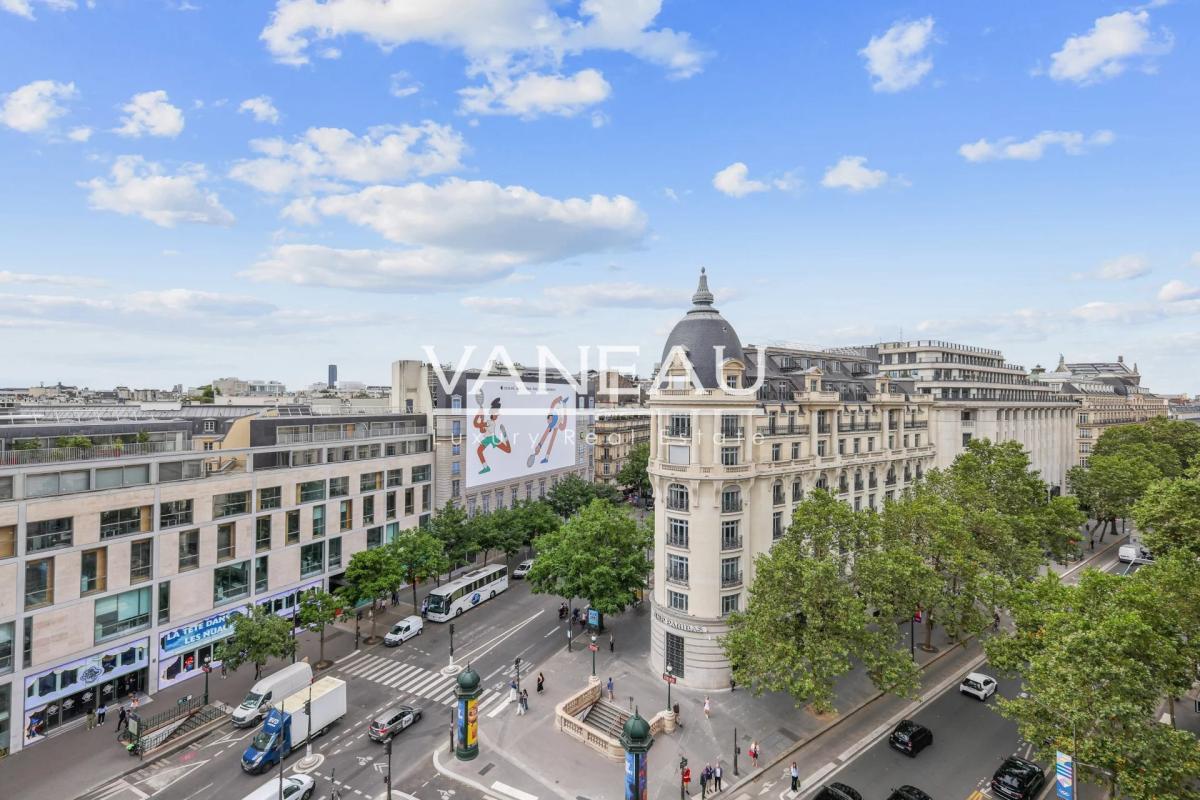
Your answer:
<point x="704" y="335"/>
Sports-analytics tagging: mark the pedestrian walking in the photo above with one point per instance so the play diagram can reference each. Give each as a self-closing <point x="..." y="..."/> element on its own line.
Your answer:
<point x="612" y="646"/>
<point x="717" y="777"/>
<point x="684" y="780"/>
<point x="996" y="621"/>
<point x="610" y="688"/>
<point x="91" y="719"/>
<point x="704" y="782"/>
<point x="754" y="753"/>
<point x="123" y="719"/>
<point x="523" y="702"/>
<point x="794" y="771"/>
<point x="100" y="713"/>
<point x="732" y="684"/>
<point x="707" y="707"/>
<point x="224" y="671"/>
<point x="512" y="690"/>
<point x="541" y="682"/>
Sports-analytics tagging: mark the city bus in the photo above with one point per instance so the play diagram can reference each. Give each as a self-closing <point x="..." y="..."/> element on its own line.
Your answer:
<point x="466" y="592"/>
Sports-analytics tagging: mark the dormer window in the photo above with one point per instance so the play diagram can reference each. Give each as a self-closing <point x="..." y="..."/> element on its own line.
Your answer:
<point x="731" y="380"/>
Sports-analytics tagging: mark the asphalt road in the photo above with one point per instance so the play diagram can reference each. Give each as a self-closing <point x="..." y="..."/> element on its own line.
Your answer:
<point x="516" y="623"/>
<point x="970" y="740"/>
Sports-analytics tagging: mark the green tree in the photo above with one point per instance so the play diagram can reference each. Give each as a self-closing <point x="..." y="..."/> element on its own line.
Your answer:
<point x="538" y="519"/>
<point x="369" y="575"/>
<point x="420" y="556"/>
<point x="258" y="636"/>
<point x="634" y="475"/>
<point x="807" y="622"/>
<point x="509" y="531"/>
<point x="485" y="530"/>
<point x="318" y="609"/>
<point x="450" y="525"/>
<point x="1168" y="515"/>
<point x="573" y="493"/>
<point x="1111" y="484"/>
<point x="1152" y="443"/>
<point x="81" y="442"/>
<point x="599" y="555"/>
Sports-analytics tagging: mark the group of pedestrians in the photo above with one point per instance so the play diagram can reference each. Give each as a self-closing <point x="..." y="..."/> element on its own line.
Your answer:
<point x="97" y="715"/>
<point x="710" y="779"/>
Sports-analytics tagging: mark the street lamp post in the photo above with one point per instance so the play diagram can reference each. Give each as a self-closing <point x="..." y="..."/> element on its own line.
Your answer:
<point x="452" y="644"/>
<point x="593" y="649"/>
<point x="308" y="713"/>
<point x="669" y="671"/>
<point x="207" y="669"/>
<point x="517" y="665"/>
<point x="387" y="777"/>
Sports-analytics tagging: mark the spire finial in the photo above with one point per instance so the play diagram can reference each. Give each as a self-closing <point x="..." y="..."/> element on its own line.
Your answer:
<point x="703" y="297"/>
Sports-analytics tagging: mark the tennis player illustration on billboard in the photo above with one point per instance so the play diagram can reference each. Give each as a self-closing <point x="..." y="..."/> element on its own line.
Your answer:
<point x="494" y="434"/>
<point x="555" y="422"/>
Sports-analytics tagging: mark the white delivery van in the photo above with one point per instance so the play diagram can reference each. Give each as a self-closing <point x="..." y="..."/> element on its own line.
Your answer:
<point x="404" y="630"/>
<point x="269" y="691"/>
<point x="295" y="787"/>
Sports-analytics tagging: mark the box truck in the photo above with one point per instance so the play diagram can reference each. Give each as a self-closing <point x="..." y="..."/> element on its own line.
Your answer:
<point x="288" y="726"/>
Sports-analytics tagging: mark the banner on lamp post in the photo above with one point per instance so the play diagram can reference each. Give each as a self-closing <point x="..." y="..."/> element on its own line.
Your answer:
<point x="1064" y="776"/>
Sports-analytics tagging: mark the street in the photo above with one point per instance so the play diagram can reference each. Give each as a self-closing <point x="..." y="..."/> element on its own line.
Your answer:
<point x="489" y="638"/>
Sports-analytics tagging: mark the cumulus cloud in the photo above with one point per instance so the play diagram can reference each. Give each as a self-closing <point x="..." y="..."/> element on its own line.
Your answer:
<point x="734" y="181"/>
<point x="533" y="94"/>
<point x="49" y="279"/>
<point x="1073" y="143"/>
<point x="136" y="187"/>
<point x="1175" y="290"/>
<point x="573" y="300"/>
<point x="1108" y="48"/>
<point x="80" y="134"/>
<point x="24" y="8"/>
<point x="35" y="105"/>
<point x="426" y="269"/>
<point x="323" y="157"/>
<point x="851" y="173"/>
<point x="261" y="108"/>
<point x="150" y="114"/>
<point x="897" y="60"/>
<point x="1123" y="268"/>
<point x="403" y="85"/>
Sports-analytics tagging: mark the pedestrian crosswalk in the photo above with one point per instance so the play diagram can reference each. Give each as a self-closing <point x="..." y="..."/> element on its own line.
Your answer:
<point x="409" y="679"/>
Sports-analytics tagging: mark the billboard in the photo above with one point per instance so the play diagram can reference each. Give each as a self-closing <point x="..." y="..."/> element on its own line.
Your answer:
<point x="515" y="432"/>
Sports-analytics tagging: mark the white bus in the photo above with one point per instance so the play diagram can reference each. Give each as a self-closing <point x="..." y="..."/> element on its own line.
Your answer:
<point x="468" y="591"/>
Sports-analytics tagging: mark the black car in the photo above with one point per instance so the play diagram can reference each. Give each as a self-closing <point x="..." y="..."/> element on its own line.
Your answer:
<point x="838" y="791"/>
<point x="1018" y="779"/>
<point x="910" y="738"/>
<point x="907" y="792"/>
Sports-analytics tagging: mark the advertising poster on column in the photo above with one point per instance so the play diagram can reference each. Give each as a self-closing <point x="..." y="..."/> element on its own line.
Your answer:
<point x="516" y="431"/>
<point x="472" y="722"/>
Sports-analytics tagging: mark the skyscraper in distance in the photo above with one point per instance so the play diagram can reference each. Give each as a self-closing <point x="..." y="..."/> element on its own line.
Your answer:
<point x="332" y="376"/>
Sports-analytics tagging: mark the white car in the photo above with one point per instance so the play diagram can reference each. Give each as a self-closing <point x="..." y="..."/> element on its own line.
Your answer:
<point x="404" y="630"/>
<point x="295" y="787"/>
<point x="978" y="685"/>
<point x="1134" y="553"/>
<point x="523" y="568"/>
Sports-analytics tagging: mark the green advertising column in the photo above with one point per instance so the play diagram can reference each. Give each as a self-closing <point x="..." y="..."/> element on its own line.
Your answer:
<point x="467" y="694"/>
<point x="637" y="741"/>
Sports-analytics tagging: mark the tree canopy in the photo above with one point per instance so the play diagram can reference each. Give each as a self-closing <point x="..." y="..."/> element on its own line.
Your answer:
<point x="634" y="475"/>
<point x="573" y="493"/>
<point x="419" y="556"/>
<point x="1168" y="515"/>
<point x="371" y="574"/>
<point x="258" y="636"/>
<point x="318" y="608"/>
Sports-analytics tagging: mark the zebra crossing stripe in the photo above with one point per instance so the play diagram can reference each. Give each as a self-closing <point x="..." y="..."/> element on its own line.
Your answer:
<point x="419" y="686"/>
<point x="491" y="697"/>
<point x="378" y="669"/>
<point x="410" y="680"/>
<point x="364" y="665"/>
<point x="399" y="675"/>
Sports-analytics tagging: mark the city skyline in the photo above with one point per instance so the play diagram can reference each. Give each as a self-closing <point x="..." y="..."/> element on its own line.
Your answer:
<point x="242" y="184"/>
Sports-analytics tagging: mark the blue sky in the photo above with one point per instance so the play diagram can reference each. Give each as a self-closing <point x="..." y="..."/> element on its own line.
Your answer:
<point x="197" y="189"/>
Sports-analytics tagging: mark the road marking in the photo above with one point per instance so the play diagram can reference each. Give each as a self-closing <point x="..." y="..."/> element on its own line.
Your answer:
<point x="504" y="788"/>
<point x="347" y="657"/>
<point x="553" y="631"/>
<point x="499" y="709"/>
<point x="490" y="644"/>
<point x="816" y="776"/>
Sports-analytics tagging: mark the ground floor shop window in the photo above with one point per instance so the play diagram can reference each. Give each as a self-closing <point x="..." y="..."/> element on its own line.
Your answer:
<point x="675" y="655"/>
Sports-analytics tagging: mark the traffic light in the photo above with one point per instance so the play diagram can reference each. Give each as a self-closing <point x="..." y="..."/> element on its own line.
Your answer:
<point x="307" y="712"/>
<point x="451" y="628"/>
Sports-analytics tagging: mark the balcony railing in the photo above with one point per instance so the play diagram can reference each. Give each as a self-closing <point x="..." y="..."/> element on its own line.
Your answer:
<point x="51" y="455"/>
<point x="677" y="580"/>
<point x="731" y="506"/>
<point x="391" y="429"/>
<point x="783" y="430"/>
<point x="731" y="543"/>
<point x="858" y="427"/>
<point x="916" y="424"/>
<point x="731" y="580"/>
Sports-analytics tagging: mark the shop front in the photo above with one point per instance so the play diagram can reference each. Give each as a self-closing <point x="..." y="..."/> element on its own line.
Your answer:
<point x="65" y="692"/>
<point x="183" y="651"/>
<point x="5" y="716"/>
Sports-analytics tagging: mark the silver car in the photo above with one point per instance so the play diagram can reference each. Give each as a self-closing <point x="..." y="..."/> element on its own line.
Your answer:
<point x="392" y="721"/>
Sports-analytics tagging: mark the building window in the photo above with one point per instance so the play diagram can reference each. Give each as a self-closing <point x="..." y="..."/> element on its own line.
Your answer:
<point x="339" y="487"/>
<point x="677" y="532"/>
<point x="27" y="643"/>
<point x="456" y="489"/>
<point x="674" y="651"/>
<point x="395" y="477"/>
<point x="293" y="526"/>
<point x="124" y="521"/>
<point x="335" y="552"/>
<point x="731" y="500"/>
<point x="370" y="481"/>
<point x="777" y="495"/>
<point x="795" y="450"/>
<point x="677" y="497"/>
<point x="8" y="541"/>
<point x="173" y="513"/>
<point x="421" y="474"/>
<point x="731" y="571"/>
<point x="141" y="560"/>
<point x="776" y="451"/>
<point x="49" y="534"/>
<point x="189" y="550"/>
<point x="729" y="455"/>
<point x="226" y="505"/>
<point x="310" y="491"/>
<point x="226" y="542"/>
<point x="409" y="502"/>
<point x="777" y="525"/>
<point x="231" y="582"/>
<point x="797" y="491"/>
<point x="122" y="613"/>
<point x="966" y="439"/>
<point x="821" y="447"/>
<point x="390" y="505"/>
<point x="210" y="426"/>
<point x="374" y="537"/>
<point x="164" y="602"/>
<point x="677" y="569"/>
<point x="312" y="556"/>
<point x="270" y="498"/>
<point x="6" y="488"/>
<point x="318" y="521"/>
<point x="368" y="510"/>
<point x="677" y="601"/>
<point x="262" y="533"/>
<point x="93" y="571"/>
<point x="346" y="515"/>
<point x="680" y="425"/>
<point x="729" y="603"/>
<point x="114" y="477"/>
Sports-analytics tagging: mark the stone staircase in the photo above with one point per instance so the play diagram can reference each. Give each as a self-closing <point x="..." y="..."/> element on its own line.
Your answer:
<point x="607" y="717"/>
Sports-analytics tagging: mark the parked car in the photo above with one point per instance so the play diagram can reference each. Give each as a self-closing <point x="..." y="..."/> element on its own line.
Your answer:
<point x="1018" y="779"/>
<point x="1134" y="553"/>
<point x="392" y="721"/>
<point x="978" y="685"/>
<point x="523" y="568"/>
<point x="295" y="787"/>
<point x="910" y="738"/>
<point x="907" y="792"/>
<point x="838" y="791"/>
<point x="404" y="630"/>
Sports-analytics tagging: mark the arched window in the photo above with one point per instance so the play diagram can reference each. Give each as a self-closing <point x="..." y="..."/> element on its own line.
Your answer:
<point x="731" y="500"/>
<point x="843" y="483"/>
<point x="858" y="480"/>
<point x="777" y="496"/>
<point x="797" y="491"/>
<point x="677" y="497"/>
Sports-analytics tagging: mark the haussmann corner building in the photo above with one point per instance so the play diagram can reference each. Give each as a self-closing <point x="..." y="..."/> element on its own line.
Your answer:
<point x="740" y="434"/>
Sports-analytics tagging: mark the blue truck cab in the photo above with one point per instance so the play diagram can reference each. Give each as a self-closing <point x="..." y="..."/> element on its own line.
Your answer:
<point x="271" y="744"/>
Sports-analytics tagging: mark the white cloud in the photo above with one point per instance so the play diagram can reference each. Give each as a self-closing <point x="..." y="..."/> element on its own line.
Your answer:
<point x="52" y="280"/>
<point x="533" y="94"/>
<point x="573" y="300"/>
<point x="262" y="108"/>
<point x="734" y="182"/>
<point x="1123" y="268"/>
<point x="671" y="194"/>
<point x="1176" y="290"/>
<point x="424" y="269"/>
<point x="897" y="60"/>
<point x="24" y="8"/>
<point x="321" y="157"/>
<point x="1106" y="50"/>
<point x="1196" y="259"/>
<point x="80" y="134"/>
<point x="1102" y="311"/>
<point x="142" y="188"/>
<point x="35" y="105"/>
<point x="149" y="113"/>
<point x="403" y="85"/>
<point x="1073" y="143"/>
<point x="851" y="173"/>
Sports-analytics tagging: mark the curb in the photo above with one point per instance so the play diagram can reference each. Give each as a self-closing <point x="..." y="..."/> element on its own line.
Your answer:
<point x="463" y="779"/>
